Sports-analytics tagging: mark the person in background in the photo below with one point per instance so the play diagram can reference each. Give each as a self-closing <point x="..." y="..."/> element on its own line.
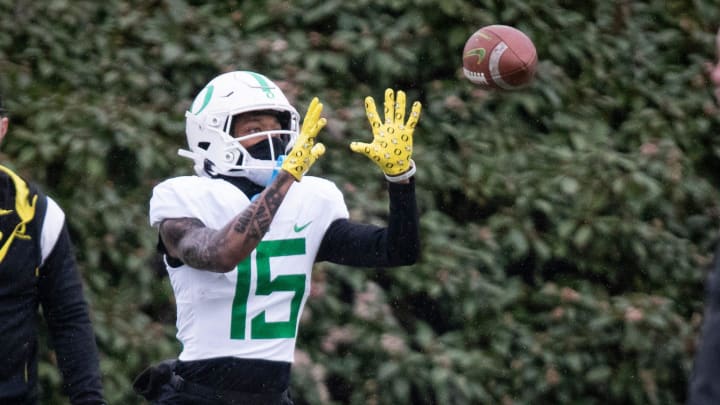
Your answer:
<point x="37" y="269"/>
<point x="240" y="238"/>
<point x="704" y="384"/>
<point x="713" y="69"/>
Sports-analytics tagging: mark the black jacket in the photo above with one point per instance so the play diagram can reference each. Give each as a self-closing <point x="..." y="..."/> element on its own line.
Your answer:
<point x="37" y="268"/>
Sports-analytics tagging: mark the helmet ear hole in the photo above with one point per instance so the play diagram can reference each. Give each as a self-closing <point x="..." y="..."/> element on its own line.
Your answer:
<point x="204" y="145"/>
<point x="208" y="167"/>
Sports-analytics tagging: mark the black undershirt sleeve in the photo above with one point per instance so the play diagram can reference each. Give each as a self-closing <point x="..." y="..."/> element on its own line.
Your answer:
<point x="363" y="245"/>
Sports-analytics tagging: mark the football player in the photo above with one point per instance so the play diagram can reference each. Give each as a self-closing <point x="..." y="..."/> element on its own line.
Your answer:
<point x="37" y="268"/>
<point x="241" y="236"/>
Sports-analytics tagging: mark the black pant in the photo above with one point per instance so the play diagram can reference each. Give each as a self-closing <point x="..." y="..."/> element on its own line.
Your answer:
<point x="179" y="392"/>
<point x="220" y="381"/>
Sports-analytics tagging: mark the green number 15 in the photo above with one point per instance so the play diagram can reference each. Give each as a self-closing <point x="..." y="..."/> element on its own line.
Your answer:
<point x="260" y="328"/>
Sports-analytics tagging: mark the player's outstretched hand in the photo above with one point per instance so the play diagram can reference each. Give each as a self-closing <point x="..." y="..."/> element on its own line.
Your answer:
<point x="306" y="151"/>
<point x="392" y="145"/>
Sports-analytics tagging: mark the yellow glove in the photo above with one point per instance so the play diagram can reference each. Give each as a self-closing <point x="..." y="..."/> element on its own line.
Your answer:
<point x="305" y="152"/>
<point x="391" y="148"/>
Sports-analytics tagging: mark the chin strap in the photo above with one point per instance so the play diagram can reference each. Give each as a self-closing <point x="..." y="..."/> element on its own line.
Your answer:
<point x="276" y="170"/>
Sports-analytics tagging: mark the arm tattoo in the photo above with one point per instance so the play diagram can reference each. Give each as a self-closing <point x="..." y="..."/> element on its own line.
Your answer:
<point x="203" y="249"/>
<point x="255" y="221"/>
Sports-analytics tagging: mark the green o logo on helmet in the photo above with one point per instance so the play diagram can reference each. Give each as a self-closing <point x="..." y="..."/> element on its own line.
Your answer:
<point x="208" y="95"/>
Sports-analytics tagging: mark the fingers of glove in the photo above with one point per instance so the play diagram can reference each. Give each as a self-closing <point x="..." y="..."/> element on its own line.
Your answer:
<point x="414" y="115"/>
<point x="313" y="131"/>
<point x="389" y="106"/>
<point x="400" y="108"/>
<point x="361" y="147"/>
<point x="317" y="151"/>
<point x="313" y="115"/>
<point x="372" y="115"/>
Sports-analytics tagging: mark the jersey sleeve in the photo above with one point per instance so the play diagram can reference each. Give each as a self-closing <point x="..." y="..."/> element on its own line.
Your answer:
<point x="335" y="207"/>
<point x="51" y="227"/>
<point x="167" y="202"/>
<point x="209" y="200"/>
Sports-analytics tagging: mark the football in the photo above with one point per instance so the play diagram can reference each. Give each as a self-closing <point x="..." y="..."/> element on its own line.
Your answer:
<point x="499" y="57"/>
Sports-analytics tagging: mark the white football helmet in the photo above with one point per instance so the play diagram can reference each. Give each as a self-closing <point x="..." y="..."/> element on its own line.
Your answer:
<point x="208" y="126"/>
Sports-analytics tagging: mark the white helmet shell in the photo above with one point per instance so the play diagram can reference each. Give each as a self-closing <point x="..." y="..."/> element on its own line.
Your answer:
<point x="208" y="125"/>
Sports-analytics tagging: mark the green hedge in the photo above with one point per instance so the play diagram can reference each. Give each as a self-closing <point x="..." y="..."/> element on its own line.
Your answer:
<point x="565" y="228"/>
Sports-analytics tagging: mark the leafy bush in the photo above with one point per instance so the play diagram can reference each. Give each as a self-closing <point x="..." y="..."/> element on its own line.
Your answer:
<point x="565" y="227"/>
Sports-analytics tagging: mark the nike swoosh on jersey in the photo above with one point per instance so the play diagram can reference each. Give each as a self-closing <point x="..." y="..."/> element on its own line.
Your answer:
<point x="300" y="228"/>
<point x="5" y="212"/>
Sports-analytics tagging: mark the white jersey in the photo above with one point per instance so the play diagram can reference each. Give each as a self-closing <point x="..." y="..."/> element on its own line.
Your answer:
<point x="253" y="310"/>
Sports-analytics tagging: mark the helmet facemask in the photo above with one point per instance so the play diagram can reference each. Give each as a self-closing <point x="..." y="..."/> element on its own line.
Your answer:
<point x="260" y="161"/>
